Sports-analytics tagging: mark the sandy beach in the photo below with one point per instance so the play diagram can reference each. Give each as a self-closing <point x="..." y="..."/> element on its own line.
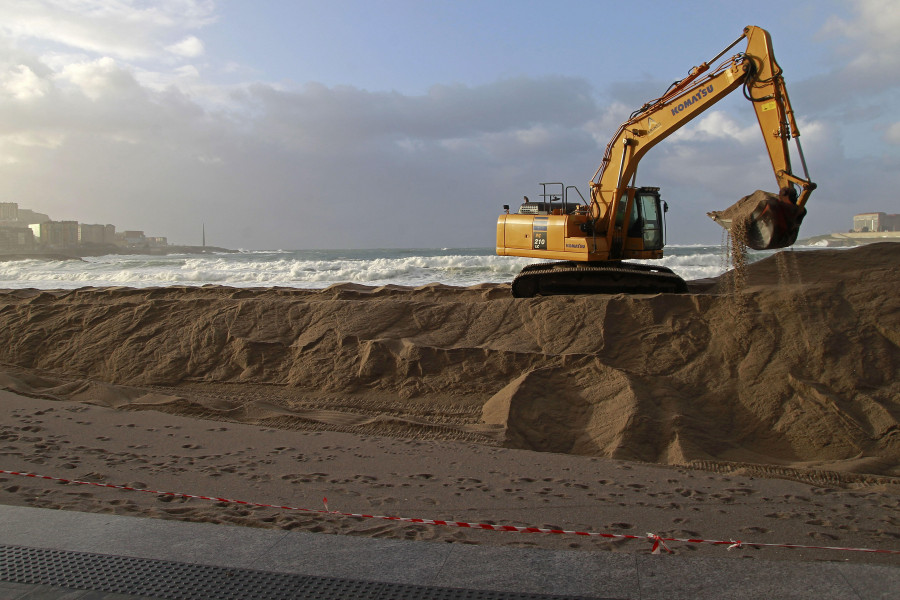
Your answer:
<point x="767" y="413"/>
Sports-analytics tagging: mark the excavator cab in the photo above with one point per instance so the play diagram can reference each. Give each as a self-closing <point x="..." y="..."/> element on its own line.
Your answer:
<point x="647" y="218"/>
<point x="641" y="235"/>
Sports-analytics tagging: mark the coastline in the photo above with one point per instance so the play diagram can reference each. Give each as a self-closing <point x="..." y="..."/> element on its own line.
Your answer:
<point x="850" y="239"/>
<point x="87" y="251"/>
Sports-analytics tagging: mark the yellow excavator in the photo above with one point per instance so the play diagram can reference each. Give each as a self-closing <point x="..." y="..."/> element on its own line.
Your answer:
<point x="590" y="240"/>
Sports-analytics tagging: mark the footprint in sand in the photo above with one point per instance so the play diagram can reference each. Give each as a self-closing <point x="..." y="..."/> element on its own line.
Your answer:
<point x="751" y="529"/>
<point x="821" y="535"/>
<point x="793" y="497"/>
<point x="781" y="515"/>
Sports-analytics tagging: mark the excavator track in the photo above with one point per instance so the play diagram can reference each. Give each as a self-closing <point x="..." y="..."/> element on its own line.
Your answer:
<point x="550" y="279"/>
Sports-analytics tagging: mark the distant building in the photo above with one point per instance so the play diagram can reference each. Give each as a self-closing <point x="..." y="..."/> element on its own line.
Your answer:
<point x="9" y="211"/>
<point x="34" y="231"/>
<point x="132" y="239"/>
<point x="875" y="222"/>
<point x="96" y="234"/>
<point x="16" y="240"/>
<point x="13" y="216"/>
<point x="56" y="234"/>
<point x="29" y="216"/>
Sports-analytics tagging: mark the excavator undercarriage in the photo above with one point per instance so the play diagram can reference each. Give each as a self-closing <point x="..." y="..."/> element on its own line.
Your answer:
<point x="599" y="277"/>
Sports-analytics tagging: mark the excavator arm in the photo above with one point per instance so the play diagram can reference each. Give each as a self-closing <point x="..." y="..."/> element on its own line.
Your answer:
<point x="777" y="123"/>
<point x="756" y="71"/>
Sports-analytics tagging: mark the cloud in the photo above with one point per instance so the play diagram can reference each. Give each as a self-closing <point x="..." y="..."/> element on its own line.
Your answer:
<point x="717" y="125"/>
<point x="125" y="29"/>
<point x="892" y="135"/>
<point x="269" y="163"/>
<point x="864" y="59"/>
<point x="190" y="47"/>
<point x="870" y="36"/>
<point x="188" y="72"/>
<point x="97" y="78"/>
<point x="22" y="83"/>
<point x="342" y="118"/>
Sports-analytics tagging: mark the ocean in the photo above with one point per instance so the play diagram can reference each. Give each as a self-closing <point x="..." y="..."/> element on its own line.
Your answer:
<point x="313" y="268"/>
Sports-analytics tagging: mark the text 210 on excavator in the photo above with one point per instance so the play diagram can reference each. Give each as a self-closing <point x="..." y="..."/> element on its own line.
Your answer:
<point x="623" y="221"/>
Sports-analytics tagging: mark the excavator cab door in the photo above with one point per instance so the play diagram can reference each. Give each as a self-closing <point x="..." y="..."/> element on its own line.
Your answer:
<point x="651" y="217"/>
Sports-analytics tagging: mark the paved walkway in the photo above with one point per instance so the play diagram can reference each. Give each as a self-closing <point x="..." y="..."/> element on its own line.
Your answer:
<point x="56" y="555"/>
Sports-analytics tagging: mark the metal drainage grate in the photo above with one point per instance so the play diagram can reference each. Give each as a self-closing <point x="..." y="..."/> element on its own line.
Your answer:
<point x="183" y="581"/>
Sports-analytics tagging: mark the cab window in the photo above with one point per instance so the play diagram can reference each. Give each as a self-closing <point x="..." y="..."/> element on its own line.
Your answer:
<point x="651" y="222"/>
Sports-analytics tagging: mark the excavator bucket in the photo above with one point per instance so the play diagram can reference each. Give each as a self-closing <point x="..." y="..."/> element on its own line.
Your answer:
<point x="762" y="221"/>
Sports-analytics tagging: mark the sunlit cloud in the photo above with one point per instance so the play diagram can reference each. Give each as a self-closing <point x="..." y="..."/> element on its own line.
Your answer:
<point x="124" y="29"/>
<point x="98" y="77"/>
<point x="717" y="125"/>
<point x="21" y="83"/>
<point x="190" y="47"/>
<point x="35" y="139"/>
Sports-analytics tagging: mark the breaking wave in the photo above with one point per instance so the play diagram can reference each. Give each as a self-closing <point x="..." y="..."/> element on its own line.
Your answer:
<point x="309" y="268"/>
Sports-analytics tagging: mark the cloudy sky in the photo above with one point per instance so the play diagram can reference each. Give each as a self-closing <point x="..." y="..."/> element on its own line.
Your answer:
<point x="409" y="123"/>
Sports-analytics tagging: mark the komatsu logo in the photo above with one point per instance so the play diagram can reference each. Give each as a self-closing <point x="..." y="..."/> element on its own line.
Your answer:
<point x="695" y="98"/>
<point x="569" y="245"/>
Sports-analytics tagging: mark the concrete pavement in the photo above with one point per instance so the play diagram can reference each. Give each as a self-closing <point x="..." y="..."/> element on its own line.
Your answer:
<point x="131" y="557"/>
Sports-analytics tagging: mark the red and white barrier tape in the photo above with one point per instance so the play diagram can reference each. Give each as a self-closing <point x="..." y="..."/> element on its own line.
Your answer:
<point x="659" y="542"/>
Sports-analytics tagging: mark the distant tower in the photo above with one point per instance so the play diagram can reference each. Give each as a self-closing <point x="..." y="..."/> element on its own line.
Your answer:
<point x="204" y="235"/>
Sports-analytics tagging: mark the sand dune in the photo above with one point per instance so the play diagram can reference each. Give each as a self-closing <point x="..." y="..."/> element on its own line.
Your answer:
<point x="798" y="368"/>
